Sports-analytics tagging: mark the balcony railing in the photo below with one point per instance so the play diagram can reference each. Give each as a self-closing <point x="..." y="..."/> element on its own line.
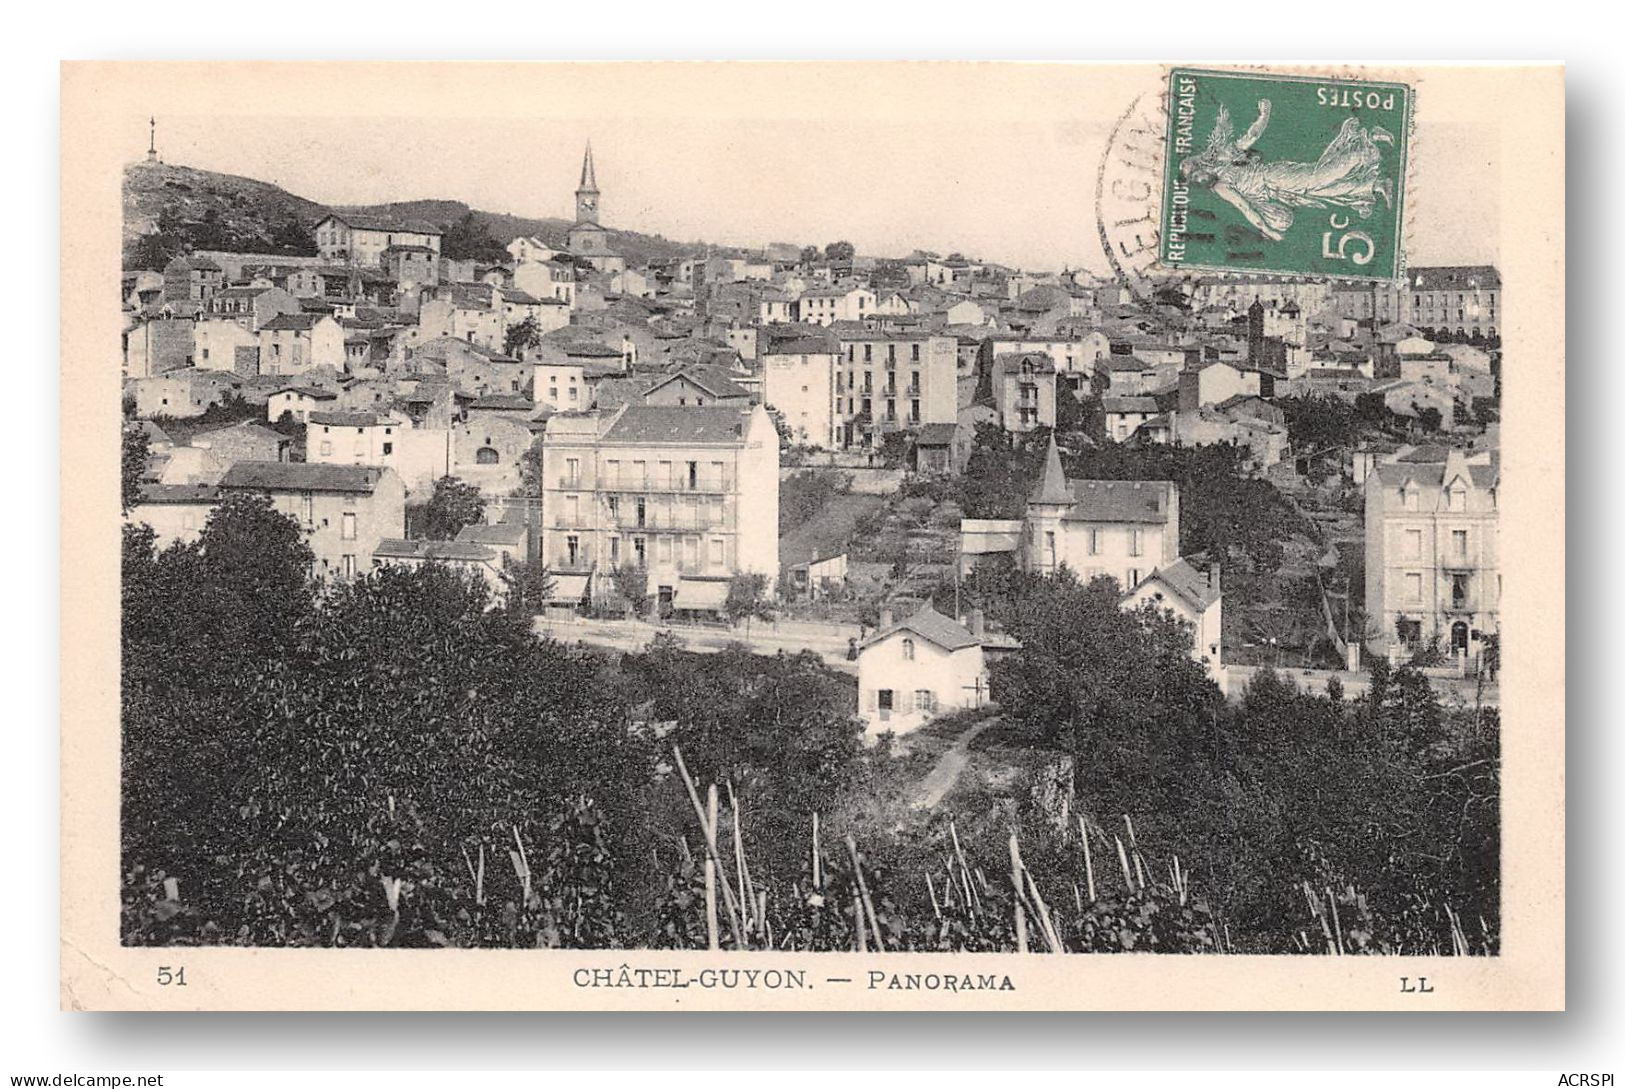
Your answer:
<point x="582" y="562"/>
<point x="702" y="483"/>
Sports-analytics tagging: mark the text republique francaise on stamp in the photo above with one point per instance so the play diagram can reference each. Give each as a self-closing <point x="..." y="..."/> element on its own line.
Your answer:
<point x="1284" y="174"/>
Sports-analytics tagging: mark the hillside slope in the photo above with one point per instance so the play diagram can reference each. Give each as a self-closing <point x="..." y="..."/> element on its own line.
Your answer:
<point x="170" y="208"/>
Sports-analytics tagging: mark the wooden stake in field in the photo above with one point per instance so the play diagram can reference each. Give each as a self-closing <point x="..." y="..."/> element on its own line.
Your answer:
<point x="711" y="904"/>
<point x="521" y="867"/>
<point x="817" y="858"/>
<point x="709" y="828"/>
<point x="863" y="892"/>
<point x="1016" y="897"/>
<point x="1122" y="860"/>
<point x="1088" y="861"/>
<point x="858" y="935"/>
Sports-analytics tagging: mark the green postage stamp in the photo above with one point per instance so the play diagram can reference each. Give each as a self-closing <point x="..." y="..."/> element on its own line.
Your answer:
<point x="1284" y="174"/>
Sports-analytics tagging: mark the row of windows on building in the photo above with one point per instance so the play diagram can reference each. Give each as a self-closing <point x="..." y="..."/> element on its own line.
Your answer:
<point x="635" y="474"/>
<point x="891" y="353"/>
<point x="1094" y="537"/>
<point x="851" y="383"/>
<point x="886" y="700"/>
<point x="685" y="551"/>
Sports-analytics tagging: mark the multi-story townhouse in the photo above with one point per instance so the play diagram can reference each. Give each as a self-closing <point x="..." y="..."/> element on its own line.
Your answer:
<point x="344" y="510"/>
<point x="889" y="380"/>
<point x="1024" y="391"/>
<point x="688" y="494"/>
<point x="1432" y="559"/>
<point x="798" y="382"/>
<point x="295" y="343"/>
<point x="828" y="305"/>
<point x="1463" y="301"/>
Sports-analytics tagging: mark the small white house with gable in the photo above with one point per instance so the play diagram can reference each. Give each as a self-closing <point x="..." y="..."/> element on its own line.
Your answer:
<point x="911" y="670"/>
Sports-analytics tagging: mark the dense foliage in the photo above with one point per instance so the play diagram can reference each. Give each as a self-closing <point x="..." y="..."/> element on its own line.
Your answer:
<point x="453" y="505"/>
<point x="394" y="762"/>
<point x="1222" y="510"/>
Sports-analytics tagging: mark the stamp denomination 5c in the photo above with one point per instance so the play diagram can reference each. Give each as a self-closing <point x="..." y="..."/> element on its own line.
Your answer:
<point x="1284" y="174"/>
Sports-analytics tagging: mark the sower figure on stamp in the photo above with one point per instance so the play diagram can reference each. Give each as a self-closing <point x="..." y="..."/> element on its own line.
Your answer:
<point x="1345" y="175"/>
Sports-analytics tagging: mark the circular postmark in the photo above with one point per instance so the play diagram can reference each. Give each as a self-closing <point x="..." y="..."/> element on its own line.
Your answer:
<point x="1128" y="196"/>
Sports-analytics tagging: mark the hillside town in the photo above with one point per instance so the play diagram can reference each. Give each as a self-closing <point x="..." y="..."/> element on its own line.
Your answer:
<point x="807" y="448"/>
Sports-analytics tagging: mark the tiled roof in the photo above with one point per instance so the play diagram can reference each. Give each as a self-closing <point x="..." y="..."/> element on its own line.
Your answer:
<point x="1453" y="277"/>
<point x="395" y="548"/>
<point x="349" y="419"/>
<point x="299" y="322"/>
<point x="1119" y="501"/>
<point x="243" y="427"/>
<point x="1129" y="404"/>
<point x="179" y="493"/>
<point x="384" y="223"/>
<point x="504" y="402"/>
<point x="301" y="476"/>
<point x="935" y="434"/>
<point x="713" y="380"/>
<point x="313" y="392"/>
<point x="1186" y="580"/>
<point x="931" y="625"/>
<point x="678" y="424"/>
<point x="807" y="345"/>
<point x="502" y="533"/>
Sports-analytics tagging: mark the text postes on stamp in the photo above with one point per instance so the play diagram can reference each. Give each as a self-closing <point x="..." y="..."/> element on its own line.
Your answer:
<point x="1284" y="174"/>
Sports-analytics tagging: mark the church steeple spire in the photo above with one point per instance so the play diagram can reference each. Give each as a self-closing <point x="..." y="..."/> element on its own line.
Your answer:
<point x="588" y="179"/>
<point x="587" y="191"/>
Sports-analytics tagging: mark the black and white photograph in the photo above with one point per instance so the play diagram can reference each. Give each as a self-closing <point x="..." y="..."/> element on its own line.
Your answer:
<point x="874" y="553"/>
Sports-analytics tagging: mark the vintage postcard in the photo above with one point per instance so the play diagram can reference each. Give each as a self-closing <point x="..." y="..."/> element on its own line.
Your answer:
<point x="800" y="537"/>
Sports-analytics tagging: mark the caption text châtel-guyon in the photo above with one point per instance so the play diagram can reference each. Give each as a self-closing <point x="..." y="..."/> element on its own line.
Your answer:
<point x="786" y="979"/>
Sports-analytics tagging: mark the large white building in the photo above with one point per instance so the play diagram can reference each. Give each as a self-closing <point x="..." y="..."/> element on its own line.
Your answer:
<point x="1121" y="528"/>
<point x="362" y="239"/>
<point x="688" y="494"/>
<point x="798" y="382"/>
<point x="1432" y="556"/>
<point x="893" y="381"/>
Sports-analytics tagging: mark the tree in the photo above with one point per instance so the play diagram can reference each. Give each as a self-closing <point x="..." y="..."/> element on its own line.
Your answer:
<point x="529" y="586"/>
<point x="525" y="334"/>
<point x="530" y="471"/>
<point x="468" y="239"/>
<point x="840" y="251"/>
<point x="293" y="238"/>
<point x="1430" y="419"/>
<point x="453" y="505"/>
<point x="631" y="582"/>
<point x="1118" y="689"/>
<point x="747" y="600"/>
<point x="809" y="255"/>
<point x="133" y="465"/>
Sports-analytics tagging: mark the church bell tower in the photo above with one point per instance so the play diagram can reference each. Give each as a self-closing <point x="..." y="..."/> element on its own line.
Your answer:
<point x="587" y="191"/>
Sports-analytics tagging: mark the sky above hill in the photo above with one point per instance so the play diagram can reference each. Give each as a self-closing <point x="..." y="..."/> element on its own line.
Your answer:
<point x="999" y="165"/>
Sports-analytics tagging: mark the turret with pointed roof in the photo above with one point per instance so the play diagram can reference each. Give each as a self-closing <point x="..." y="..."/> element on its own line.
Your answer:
<point x="1052" y="488"/>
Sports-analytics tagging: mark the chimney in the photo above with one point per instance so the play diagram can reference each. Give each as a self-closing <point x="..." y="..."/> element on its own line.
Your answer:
<point x="1213" y="576"/>
<point x="977" y="625"/>
<point x="885" y="617"/>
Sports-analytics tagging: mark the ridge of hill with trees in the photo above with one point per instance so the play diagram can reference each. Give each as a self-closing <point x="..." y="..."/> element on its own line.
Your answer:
<point x="169" y="210"/>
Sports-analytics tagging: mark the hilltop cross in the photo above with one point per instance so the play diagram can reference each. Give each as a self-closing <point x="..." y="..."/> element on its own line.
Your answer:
<point x="152" y="140"/>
